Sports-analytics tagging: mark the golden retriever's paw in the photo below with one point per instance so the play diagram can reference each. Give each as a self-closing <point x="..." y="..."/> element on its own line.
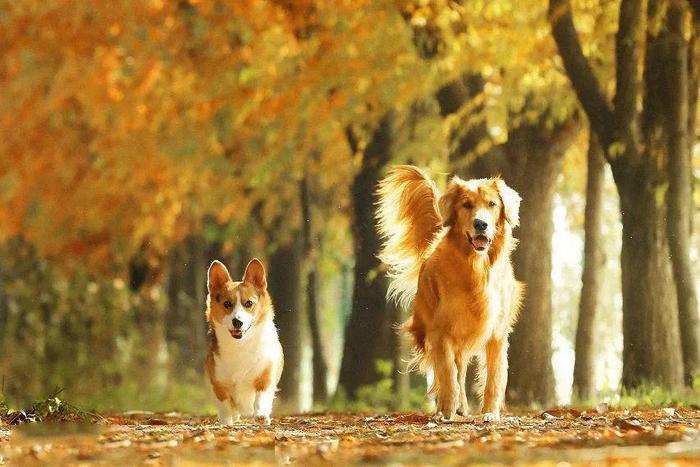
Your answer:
<point x="263" y="420"/>
<point x="490" y="417"/>
<point x="447" y="410"/>
<point x="439" y="417"/>
<point x="463" y="409"/>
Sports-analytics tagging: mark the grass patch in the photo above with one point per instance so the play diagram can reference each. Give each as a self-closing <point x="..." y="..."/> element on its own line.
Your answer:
<point x="649" y="395"/>
<point x="52" y="408"/>
<point x="381" y="396"/>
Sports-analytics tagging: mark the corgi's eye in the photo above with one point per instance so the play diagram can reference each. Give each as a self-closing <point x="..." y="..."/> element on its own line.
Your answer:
<point x="228" y="304"/>
<point x="468" y="205"/>
<point x="248" y="304"/>
<point x="492" y="204"/>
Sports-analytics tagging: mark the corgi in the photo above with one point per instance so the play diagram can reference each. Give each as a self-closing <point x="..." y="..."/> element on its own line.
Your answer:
<point x="245" y="358"/>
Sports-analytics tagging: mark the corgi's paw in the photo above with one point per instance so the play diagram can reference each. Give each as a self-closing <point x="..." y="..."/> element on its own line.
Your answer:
<point x="226" y="421"/>
<point x="229" y="420"/>
<point x="263" y="419"/>
<point x="490" y="417"/>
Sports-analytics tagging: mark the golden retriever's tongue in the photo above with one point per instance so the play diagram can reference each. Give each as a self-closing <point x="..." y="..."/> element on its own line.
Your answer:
<point x="480" y="242"/>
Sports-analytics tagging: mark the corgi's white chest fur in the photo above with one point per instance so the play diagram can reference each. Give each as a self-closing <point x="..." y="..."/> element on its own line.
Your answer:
<point x="241" y="361"/>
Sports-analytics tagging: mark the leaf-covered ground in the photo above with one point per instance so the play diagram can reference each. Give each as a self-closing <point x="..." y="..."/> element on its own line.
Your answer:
<point x="566" y="435"/>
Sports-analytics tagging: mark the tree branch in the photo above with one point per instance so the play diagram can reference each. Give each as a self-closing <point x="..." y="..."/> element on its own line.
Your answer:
<point x="626" y="73"/>
<point x="581" y="75"/>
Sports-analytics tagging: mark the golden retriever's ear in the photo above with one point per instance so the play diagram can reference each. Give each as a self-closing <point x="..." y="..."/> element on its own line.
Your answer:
<point x="217" y="276"/>
<point x="255" y="274"/>
<point x="447" y="203"/>
<point x="511" y="202"/>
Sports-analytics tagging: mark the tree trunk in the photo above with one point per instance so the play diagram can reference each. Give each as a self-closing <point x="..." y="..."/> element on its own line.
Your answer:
<point x="651" y="350"/>
<point x="284" y="273"/>
<point x="312" y="247"/>
<point x="593" y="259"/>
<point x="369" y="334"/>
<point x="530" y="372"/>
<point x="680" y="209"/>
<point x="150" y="320"/>
<point x="176" y="328"/>
<point x="320" y="368"/>
<point x="185" y="326"/>
<point x="532" y="152"/>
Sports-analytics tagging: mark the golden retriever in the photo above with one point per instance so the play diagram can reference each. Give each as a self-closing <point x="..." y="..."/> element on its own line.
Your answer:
<point x="448" y="257"/>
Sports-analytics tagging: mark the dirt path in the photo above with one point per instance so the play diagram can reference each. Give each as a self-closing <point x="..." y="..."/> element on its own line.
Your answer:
<point x="557" y="435"/>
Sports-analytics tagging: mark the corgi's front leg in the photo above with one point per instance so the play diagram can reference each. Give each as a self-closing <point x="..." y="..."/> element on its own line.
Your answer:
<point x="263" y="405"/>
<point x="226" y="415"/>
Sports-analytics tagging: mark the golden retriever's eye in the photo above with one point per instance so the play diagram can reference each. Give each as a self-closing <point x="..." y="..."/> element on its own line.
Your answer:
<point x="468" y="205"/>
<point x="492" y="204"/>
<point x="228" y="304"/>
<point x="248" y="304"/>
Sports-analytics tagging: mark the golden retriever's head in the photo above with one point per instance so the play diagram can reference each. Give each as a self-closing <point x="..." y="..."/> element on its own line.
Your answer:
<point x="237" y="305"/>
<point x="479" y="209"/>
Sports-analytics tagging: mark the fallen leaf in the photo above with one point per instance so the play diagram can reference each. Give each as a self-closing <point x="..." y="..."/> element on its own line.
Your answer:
<point x="630" y="424"/>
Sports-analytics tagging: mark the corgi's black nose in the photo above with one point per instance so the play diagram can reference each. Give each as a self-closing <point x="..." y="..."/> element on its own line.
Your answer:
<point x="237" y="323"/>
<point x="480" y="225"/>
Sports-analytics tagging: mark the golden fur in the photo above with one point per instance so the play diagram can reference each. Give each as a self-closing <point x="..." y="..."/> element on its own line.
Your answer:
<point x="458" y="280"/>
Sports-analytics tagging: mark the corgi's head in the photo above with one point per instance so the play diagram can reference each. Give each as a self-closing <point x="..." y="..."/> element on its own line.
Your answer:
<point x="238" y="305"/>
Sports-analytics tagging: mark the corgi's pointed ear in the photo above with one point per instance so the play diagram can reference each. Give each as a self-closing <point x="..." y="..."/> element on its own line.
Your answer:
<point x="511" y="202"/>
<point x="217" y="276"/>
<point x="255" y="274"/>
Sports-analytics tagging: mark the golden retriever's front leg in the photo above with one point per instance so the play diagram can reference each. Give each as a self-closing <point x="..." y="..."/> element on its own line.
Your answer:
<point x="446" y="384"/>
<point x="462" y="362"/>
<point x="496" y="378"/>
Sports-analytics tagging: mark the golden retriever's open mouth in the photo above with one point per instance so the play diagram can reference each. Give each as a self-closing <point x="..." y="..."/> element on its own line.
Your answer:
<point x="480" y="242"/>
<point x="236" y="333"/>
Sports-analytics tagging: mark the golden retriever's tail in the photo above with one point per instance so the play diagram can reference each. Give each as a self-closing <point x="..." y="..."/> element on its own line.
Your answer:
<point x="408" y="220"/>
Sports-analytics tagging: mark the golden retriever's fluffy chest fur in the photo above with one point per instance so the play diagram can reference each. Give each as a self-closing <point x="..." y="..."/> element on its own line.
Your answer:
<point x="461" y="283"/>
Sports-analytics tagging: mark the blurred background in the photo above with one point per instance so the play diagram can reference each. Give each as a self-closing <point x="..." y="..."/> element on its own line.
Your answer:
<point x="140" y="140"/>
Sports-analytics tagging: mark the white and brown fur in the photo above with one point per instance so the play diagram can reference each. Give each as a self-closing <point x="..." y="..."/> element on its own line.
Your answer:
<point x="456" y="277"/>
<point x="245" y="360"/>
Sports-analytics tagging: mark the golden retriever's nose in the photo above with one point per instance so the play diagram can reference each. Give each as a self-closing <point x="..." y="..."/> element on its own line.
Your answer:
<point x="237" y="323"/>
<point x="480" y="225"/>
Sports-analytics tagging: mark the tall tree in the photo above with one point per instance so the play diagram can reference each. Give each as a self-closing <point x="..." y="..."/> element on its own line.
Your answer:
<point x="632" y="138"/>
<point x="284" y="272"/>
<point x="185" y="327"/>
<point x="533" y="151"/>
<point x="369" y="334"/>
<point x="682" y="100"/>
<point x="312" y="252"/>
<point x="593" y="259"/>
